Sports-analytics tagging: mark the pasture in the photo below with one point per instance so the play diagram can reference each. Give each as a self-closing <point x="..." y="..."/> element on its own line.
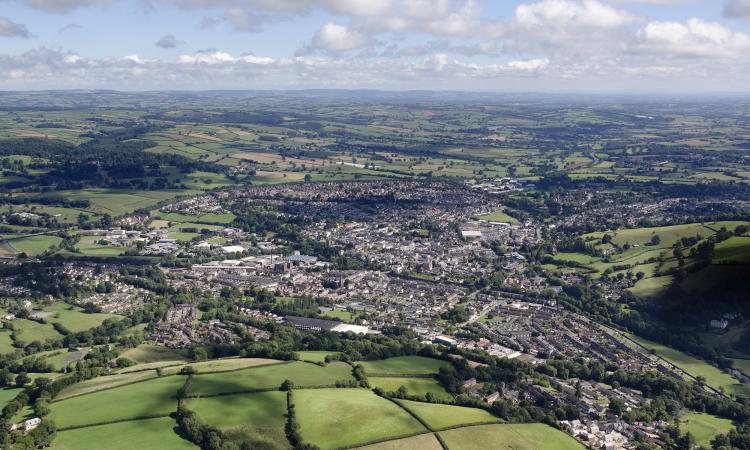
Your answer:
<point x="498" y="216"/>
<point x="145" y="399"/>
<point x="358" y="416"/>
<point x="74" y="319"/>
<point x="704" y="427"/>
<point x="314" y="356"/>
<point x="531" y="436"/>
<point x="414" y="385"/>
<point x="438" y="416"/>
<point x="33" y="245"/>
<point x="146" y="353"/>
<point x="270" y="377"/>
<point x="403" y="365"/>
<point x="426" y="441"/>
<point x="150" y="433"/>
<point x="28" y="331"/>
<point x="104" y="382"/>
<point x="223" y="365"/>
<point x="256" y="418"/>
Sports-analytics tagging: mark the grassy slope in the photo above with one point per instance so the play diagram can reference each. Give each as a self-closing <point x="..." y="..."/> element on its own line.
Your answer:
<point x="704" y="427"/>
<point x="413" y="385"/>
<point x="444" y="416"/>
<point x="403" y="365"/>
<point x="139" y="434"/>
<point x="331" y="418"/>
<point x="516" y="437"/>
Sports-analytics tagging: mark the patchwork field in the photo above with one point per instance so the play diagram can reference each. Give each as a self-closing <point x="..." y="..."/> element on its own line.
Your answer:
<point x="144" y="399"/>
<point x="223" y="365"/>
<point x="357" y="415"/>
<point x="426" y="441"/>
<point x="104" y="382"/>
<point x="269" y="377"/>
<point x="146" y="353"/>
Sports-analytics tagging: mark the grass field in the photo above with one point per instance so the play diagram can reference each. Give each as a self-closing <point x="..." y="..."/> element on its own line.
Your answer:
<point x="138" y="434"/>
<point x="403" y="365"/>
<point x="413" y="385"/>
<point x="6" y="395"/>
<point x="34" y="245"/>
<point x="29" y="331"/>
<point x="138" y="400"/>
<point x="332" y="418"/>
<point x="498" y="216"/>
<point x="6" y="343"/>
<point x="696" y="367"/>
<point x="146" y="353"/>
<point x="104" y="382"/>
<point x="255" y="418"/>
<point x="651" y="287"/>
<point x="734" y="250"/>
<point x="72" y="317"/>
<point x="221" y="365"/>
<point x="531" y="436"/>
<point x="426" y="441"/>
<point x="704" y="427"/>
<point x="269" y="377"/>
<point x="438" y="416"/>
<point x="120" y="201"/>
<point x="314" y="356"/>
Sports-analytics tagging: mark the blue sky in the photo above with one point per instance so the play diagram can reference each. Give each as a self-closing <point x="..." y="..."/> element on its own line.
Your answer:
<point x="640" y="46"/>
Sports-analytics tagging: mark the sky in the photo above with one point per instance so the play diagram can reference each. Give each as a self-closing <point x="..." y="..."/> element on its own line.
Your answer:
<point x="598" y="46"/>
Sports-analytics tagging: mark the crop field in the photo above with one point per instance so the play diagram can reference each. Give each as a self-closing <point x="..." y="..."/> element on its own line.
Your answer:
<point x="269" y="377"/>
<point x="144" y="399"/>
<point x="257" y="418"/>
<point x="509" y="437"/>
<point x="146" y="353"/>
<point x="104" y="382"/>
<point x="358" y="416"/>
<point x="438" y="416"/>
<point x="403" y="365"/>
<point x="696" y="367"/>
<point x="426" y="441"/>
<point x="136" y="434"/>
<point x="413" y="385"/>
<point x="704" y="427"/>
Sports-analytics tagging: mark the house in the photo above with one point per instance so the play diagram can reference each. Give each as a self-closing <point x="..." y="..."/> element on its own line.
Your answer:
<point x="30" y="424"/>
<point x="470" y="382"/>
<point x="492" y="397"/>
<point x="444" y="340"/>
<point x="719" y="324"/>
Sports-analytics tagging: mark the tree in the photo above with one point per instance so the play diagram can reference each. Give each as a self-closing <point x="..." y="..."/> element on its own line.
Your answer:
<point x="287" y="385"/>
<point x="22" y="379"/>
<point x="308" y="178"/>
<point x="655" y="240"/>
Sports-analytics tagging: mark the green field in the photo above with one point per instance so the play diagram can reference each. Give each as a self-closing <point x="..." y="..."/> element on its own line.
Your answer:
<point x="403" y="365"/>
<point x="72" y="317"/>
<point x="704" y="427"/>
<point x="137" y="434"/>
<point x="332" y="418"/>
<point x="426" y="441"/>
<point x="34" y="245"/>
<point x="696" y="367"/>
<point x="531" y="436"/>
<point x="223" y="365"/>
<point x="146" y="353"/>
<point x="269" y="377"/>
<point x="144" y="399"/>
<point x="255" y="418"/>
<point x="314" y="356"/>
<point x="120" y="201"/>
<point x="6" y="342"/>
<point x="735" y="250"/>
<point x="104" y="382"/>
<point x="89" y="245"/>
<point x="498" y="216"/>
<point x="414" y="385"/>
<point x="29" y="331"/>
<point x="6" y="395"/>
<point x="438" y="416"/>
<point x="651" y="287"/>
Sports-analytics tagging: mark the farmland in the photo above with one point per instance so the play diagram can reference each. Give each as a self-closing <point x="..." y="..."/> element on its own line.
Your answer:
<point x="403" y="365"/>
<point x="438" y="417"/>
<point x="414" y="385"/>
<point x="521" y="436"/>
<point x="704" y="427"/>
<point x="358" y="415"/>
<point x="149" y="433"/>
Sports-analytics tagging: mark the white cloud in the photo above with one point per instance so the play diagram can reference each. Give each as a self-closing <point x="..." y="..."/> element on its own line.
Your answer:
<point x="63" y="6"/>
<point x="695" y="38"/>
<point x="335" y="38"/>
<point x="8" y="28"/>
